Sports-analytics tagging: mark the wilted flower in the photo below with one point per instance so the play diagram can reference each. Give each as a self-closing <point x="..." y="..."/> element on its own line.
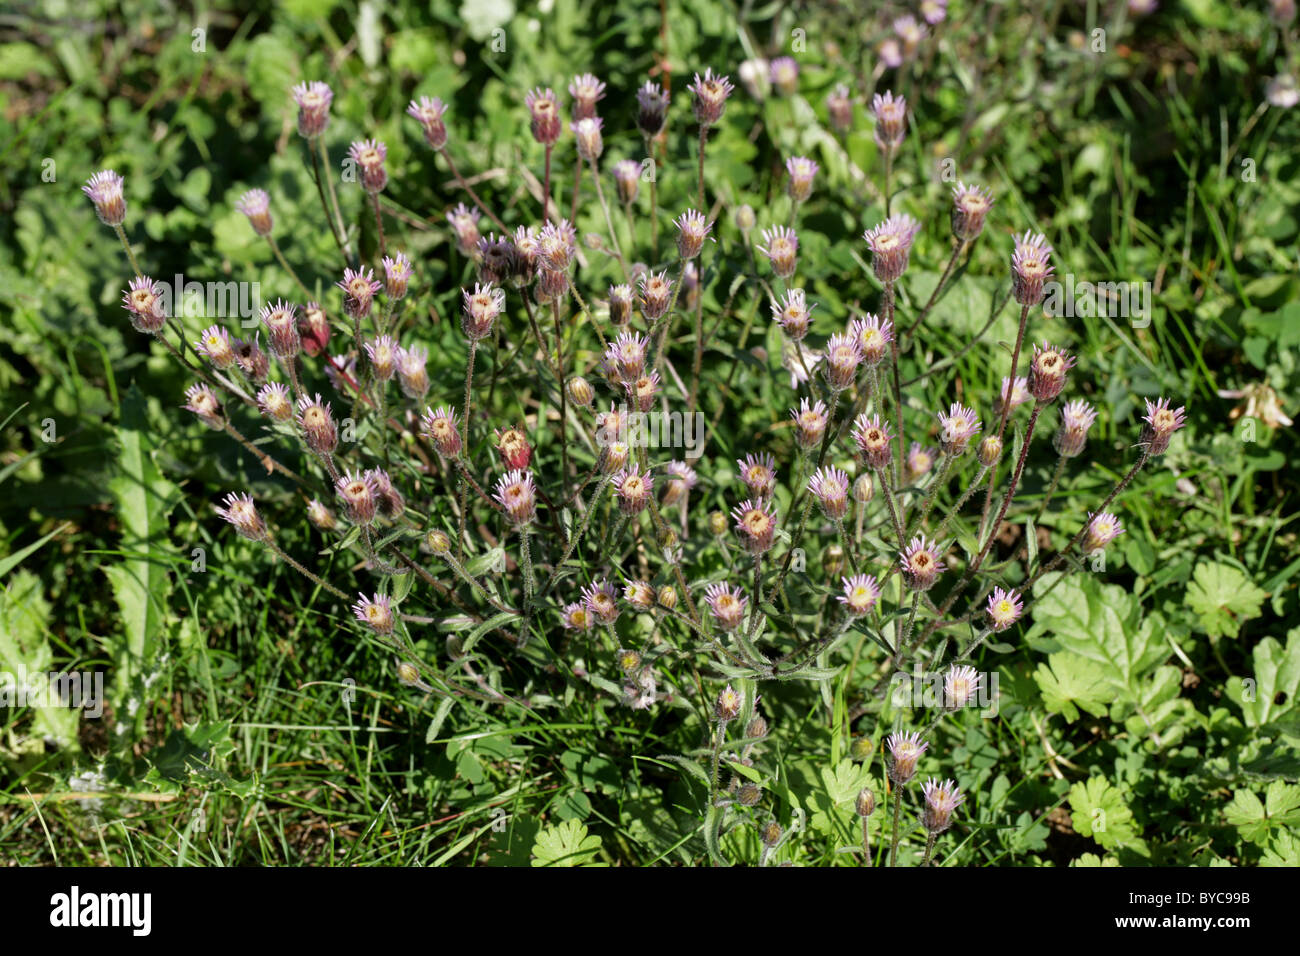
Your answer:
<point x="641" y="393"/>
<point x="281" y="321"/>
<point x="557" y="244"/>
<point x="652" y="109"/>
<point x="1004" y="609"/>
<point x="313" y="329"/>
<point x="429" y="113"/>
<point x="241" y="511"/>
<point x="544" y="116"/>
<point x="250" y="358"/>
<point x="105" y="191"/>
<point x="256" y="205"/>
<point x="600" y="600"/>
<point x="512" y="444"/>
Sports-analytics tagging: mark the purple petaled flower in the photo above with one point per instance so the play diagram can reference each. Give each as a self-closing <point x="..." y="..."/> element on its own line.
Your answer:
<point x="1161" y="423"/>
<point x="890" y="243"/>
<point x="314" y="329"/>
<point x="809" y="423"/>
<point x="375" y="613"/>
<point x="642" y="392"/>
<point x="241" y="511"/>
<point x="1102" y="530"/>
<point x="203" y="402"/>
<point x="801" y="171"/>
<point x="214" y="345"/>
<point x="756" y="525"/>
<point x="874" y="441"/>
<point x="941" y="799"/>
<point x="585" y="91"/>
<point x="440" y="428"/>
<point x="654" y="294"/>
<point x="429" y="113"/>
<point x="692" y="229"/>
<point x="830" y="487"/>
<point x="626" y="356"/>
<point x="874" y="336"/>
<point x="480" y="310"/>
<point x="904" y="751"/>
<point x="639" y="595"/>
<point x="576" y="617"/>
<point x="1017" y="390"/>
<point x="497" y="259"/>
<point x="781" y="246"/>
<point x="711" y="94"/>
<point x="274" y="402"/>
<point x="633" y="490"/>
<point x="921" y="564"/>
<point x="527" y="253"/>
<point x="517" y="495"/>
<point x="890" y="53"/>
<point x="758" y="472"/>
<point x="680" y="479"/>
<point x="957" y="428"/>
<point x="143" y="300"/>
<point x="464" y="222"/>
<point x="313" y="101"/>
<point x="1004" y="609"/>
<point x="794" y="314"/>
<point x="1076" y="418"/>
<point x="651" y="109"/>
<point x="601" y="601"/>
<point x="726" y="604"/>
<point x="256" y="205"/>
<point x="839" y="106"/>
<point x="891" y="120"/>
<point x="317" y="424"/>
<point x="397" y="275"/>
<point x="391" y="502"/>
<point x="919" y="461"/>
<point x="382" y="352"/>
<point x="910" y="34"/>
<point x="970" y="207"/>
<point x="627" y="179"/>
<point x="960" y="685"/>
<point x="1047" y="372"/>
<point x="1031" y="267"/>
<point x="861" y="594"/>
<point x="934" y="11"/>
<point x="543" y="116"/>
<point x="105" y="191"/>
<point x="250" y="358"/>
<point x="281" y="321"/>
<point x="359" y="290"/>
<point x="557" y="244"/>
<point x="369" y="155"/>
<point x="843" y="359"/>
<point x="320" y="516"/>
<point x="411" y="374"/>
<point x="784" y="73"/>
<point x="586" y="133"/>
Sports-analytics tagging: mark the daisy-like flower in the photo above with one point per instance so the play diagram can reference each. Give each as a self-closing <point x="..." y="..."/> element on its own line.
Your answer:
<point x="921" y="563"/>
<point x="758" y="472"/>
<point x="586" y="132"/>
<point x="729" y="704"/>
<point x="440" y="428"/>
<point x="397" y="275"/>
<point x="843" y="359"/>
<point x="480" y="309"/>
<point x="692" y="229"/>
<point x="375" y="613"/>
<point x="429" y="113"/>
<point x="250" y="358"/>
<point x="517" y="495"/>
<point x="313" y="329"/>
<point x="281" y="321"/>
<point x="639" y="595"/>
<point x="919" y="461"/>
<point x="839" y="105"/>
<point x="359" y="289"/>
<point x="781" y="246"/>
<point x="874" y="441"/>
<point x="382" y="353"/>
<point x="910" y="34"/>
<point x="654" y="294"/>
<point x="1047" y="372"/>
<point x="143" y="299"/>
<point x="1017" y="389"/>
<point x="651" y="109"/>
<point x="557" y="244"/>
<point x="755" y="525"/>
<point x="1076" y="418"/>
<point x="934" y="11"/>
<point x="203" y="402"/>
<point x="890" y="52"/>
<point x="464" y="222"/>
<point x="214" y="345"/>
<point x="613" y="456"/>
<point x="633" y="490"/>
<point x="679" y="480"/>
<point x="801" y="171"/>
<point x="641" y="393"/>
<point x="527" y="254"/>
<point x="1004" y="609"/>
<point x="830" y="487"/>
<point x="1031" y="267"/>
<point x="274" y="402"/>
<point x="543" y="116"/>
<point x="105" y="191"/>
<point x="784" y="73"/>
<point x="711" y="94"/>
<point x="626" y="356"/>
<point x="585" y="91"/>
<point x="317" y="424"/>
<point x="904" y="751"/>
<point x="391" y="502"/>
<point x="726" y="604"/>
<point x="1161" y="423"/>
<point x="970" y="207"/>
<point x="411" y="374"/>
<point x="612" y="425"/>
<point x="359" y="496"/>
<point x="873" y="336"/>
<point x="513" y="446"/>
<point x="810" y="422"/>
<point x="861" y="594"/>
<point x="241" y="511"/>
<point x="320" y="516"/>
<point x="601" y="602"/>
<point x="957" y="428"/>
<point x="256" y="205"/>
<point x="370" y="155"/>
<point x="890" y="112"/>
<point x="576" y="617"/>
<point x="1102" y="530"/>
<point x="890" y="243"/>
<point x="627" y="180"/>
<point x="941" y="799"/>
<point x="793" y="314"/>
<point x="313" y="101"/>
<point x="960" y="685"/>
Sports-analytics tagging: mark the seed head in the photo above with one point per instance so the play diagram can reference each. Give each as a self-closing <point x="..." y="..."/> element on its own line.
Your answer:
<point x="970" y="207"/>
<point x="781" y="246"/>
<point x="891" y="243"/>
<point x="921" y="564"/>
<point x="941" y="799"/>
<point x="274" y="402"/>
<point x="1004" y="609"/>
<point x="241" y="511"/>
<point x="429" y="113"/>
<point x="809" y="424"/>
<point x="313" y="101"/>
<point x="755" y="525"/>
<point x="1076" y="418"/>
<point x="281" y="321"/>
<point x="861" y="594"/>
<point x="375" y="613"/>
<point x="711" y="94"/>
<point x="957" y="428"/>
<point x="1161" y="423"/>
<point x="143" y="300"/>
<point x="105" y="191"/>
<point x="256" y="205"/>
<point x="904" y="751"/>
<point x="1031" y="267"/>
<point x="874" y="441"/>
<point x="801" y="171"/>
<point x="1047" y="372"/>
<point x="830" y="487"/>
<point x="317" y="424"/>
<point x="891" y="120"/>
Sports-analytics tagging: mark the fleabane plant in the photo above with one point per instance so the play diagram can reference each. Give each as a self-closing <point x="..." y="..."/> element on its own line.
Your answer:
<point x="558" y="540"/>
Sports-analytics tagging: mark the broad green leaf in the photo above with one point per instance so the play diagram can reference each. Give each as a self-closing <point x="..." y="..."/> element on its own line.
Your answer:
<point x="1256" y="819"/>
<point x="1283" y="851"/>
<point x="1070" y="683"/>
<point x="1223" y="597"/>
<point x="1269" y="692"/>
<point x="565" y="844"/>
<point x="1098" y="810"/>
<point x="26" y="657"/>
